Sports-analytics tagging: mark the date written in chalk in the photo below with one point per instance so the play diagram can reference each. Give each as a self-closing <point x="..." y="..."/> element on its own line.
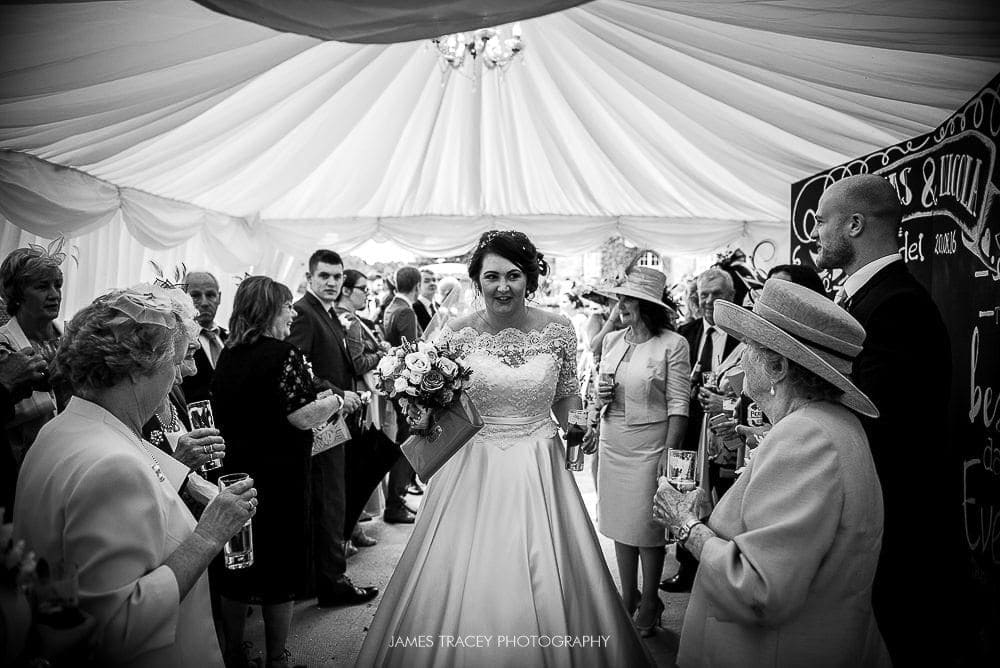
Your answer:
<point x="499" y="641"/>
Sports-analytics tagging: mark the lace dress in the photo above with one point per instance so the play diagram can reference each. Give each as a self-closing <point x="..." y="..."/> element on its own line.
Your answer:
<point x="503" y="567"/>
<point x="255" y="387"/>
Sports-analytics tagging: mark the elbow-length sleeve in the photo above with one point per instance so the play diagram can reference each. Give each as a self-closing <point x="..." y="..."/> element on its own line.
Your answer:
<point x="678" y="377"/>
<point x="297" y="389"/>
<point x="790" y="512"/>
<point x="118" y="537"/>
<point x="568" y="384"/>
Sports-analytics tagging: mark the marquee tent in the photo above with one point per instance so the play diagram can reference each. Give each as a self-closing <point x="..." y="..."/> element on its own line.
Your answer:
<point x="162" y="128"/>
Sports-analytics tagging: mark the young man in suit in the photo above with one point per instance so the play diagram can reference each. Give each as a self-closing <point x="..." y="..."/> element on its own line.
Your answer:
<point x="399" y="322"/>
<point x="205" y="293"/>
<point x="708" y="346"/>
<point x="905" y="368"/>
<point x="317" y="332"/>
<point x="424" y="305"/>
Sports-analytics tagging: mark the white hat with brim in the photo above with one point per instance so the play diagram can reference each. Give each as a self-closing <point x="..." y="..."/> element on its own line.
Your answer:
<point x="643" y="283"/>
<point x="808" y="329"/>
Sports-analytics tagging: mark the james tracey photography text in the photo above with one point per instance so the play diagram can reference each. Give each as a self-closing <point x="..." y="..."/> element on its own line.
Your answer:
<point x="500" y="641"/>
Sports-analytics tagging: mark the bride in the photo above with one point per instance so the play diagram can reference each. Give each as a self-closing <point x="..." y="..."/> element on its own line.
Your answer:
<point x="503" y="566"/>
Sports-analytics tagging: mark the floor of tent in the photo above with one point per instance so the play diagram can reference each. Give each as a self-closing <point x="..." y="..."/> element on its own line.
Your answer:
<point x="333" y="637"/>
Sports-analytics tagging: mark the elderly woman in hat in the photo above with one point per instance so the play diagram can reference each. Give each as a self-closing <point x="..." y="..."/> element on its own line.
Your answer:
<point x="788" y="556"/>
<point x="93" y="494"/>
<point x="645" y="415"/>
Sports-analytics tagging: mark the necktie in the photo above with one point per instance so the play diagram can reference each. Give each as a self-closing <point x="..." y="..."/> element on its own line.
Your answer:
<point x="842" y="299"/>
<point x="707" y="351"/>
<point x="214" y="345"/>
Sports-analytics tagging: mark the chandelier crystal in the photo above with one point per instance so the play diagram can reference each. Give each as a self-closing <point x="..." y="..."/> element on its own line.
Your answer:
<point x="493" y="48"/>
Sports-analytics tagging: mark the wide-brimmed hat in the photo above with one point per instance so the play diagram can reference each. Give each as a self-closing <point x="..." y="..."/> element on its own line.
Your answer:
<point x="807" y="328"/>
<point x="643" y="283"/>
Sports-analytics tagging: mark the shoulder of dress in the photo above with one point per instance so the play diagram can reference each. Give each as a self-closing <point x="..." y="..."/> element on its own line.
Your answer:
<point x="462" y="323"/>
<point x="553" y="323"/>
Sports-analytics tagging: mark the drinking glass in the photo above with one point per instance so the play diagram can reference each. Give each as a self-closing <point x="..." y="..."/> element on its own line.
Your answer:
<point x="238" y="551"/>
<point x="200" y="413"/>
<point x="681" y="467"/>
<point x="709" y="380"/>
<point x="57" y="595"/>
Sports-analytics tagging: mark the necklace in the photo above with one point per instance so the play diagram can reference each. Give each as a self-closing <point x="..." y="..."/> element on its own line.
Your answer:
<point x="156" y="463"/>
<point x="169" y="422"/>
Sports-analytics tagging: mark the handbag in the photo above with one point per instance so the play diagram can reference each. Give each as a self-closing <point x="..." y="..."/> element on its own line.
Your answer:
<point x="331" y="434"/>
<point x="451" y="428"/>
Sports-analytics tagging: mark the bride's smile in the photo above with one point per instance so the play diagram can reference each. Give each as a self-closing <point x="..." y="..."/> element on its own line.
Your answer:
<point x="503" y="284"/>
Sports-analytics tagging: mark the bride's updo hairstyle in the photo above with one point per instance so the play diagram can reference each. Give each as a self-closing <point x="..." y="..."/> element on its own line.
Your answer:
<point x="516" y="248"/>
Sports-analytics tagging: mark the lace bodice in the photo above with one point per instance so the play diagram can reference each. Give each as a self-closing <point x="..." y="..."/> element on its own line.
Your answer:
<point x="517" y="375"/>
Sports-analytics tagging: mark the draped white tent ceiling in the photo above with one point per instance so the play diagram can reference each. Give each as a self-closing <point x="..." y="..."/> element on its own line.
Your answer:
<point x="677" y="123"/>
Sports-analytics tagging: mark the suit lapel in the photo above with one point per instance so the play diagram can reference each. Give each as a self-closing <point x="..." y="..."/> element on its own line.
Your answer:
<point x="693" y="335"/>
<point x="331" y="323"/>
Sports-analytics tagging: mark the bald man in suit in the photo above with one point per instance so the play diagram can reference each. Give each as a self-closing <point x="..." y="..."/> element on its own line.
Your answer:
<point x="905" y="368"/>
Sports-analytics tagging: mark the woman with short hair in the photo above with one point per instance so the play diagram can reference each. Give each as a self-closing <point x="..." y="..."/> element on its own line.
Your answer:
<point x="92" y="493"/>
<point x="31" y="282"/>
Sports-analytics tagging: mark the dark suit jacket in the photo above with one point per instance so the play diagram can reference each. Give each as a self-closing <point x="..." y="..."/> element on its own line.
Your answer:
<point x="692" y="331"/>
<point x="321" y="339"/>
<point x="400" y="320"/>
<point x="423" y="314"/>
<point x="905" y="368"/>
<point x="199" y="386"/>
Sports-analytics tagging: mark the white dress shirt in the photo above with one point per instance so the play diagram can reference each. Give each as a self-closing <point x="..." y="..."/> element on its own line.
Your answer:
<point x="857" y="280"/>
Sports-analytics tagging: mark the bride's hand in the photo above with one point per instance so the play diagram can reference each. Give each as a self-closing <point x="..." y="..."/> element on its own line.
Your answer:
<point x="589" y="446"/>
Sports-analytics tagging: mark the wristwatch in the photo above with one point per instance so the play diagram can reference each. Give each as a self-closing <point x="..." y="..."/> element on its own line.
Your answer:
<point x="682" y="533"/>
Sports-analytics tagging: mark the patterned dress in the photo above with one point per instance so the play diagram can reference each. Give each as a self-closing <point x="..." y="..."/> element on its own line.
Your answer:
<point x="503" y="567"/>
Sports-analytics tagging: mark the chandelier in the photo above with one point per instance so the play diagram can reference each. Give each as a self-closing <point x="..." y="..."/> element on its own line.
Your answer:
<point x="494" y="48"/>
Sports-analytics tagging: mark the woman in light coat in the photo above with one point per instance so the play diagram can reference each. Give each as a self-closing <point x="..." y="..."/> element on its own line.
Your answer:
<point x="93" y="494"/>
<point x="788" y="556"/>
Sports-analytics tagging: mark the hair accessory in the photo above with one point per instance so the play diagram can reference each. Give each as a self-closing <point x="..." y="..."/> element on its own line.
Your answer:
<point x="146" y="304"/>
<point x="493" y="235"/>
<point x="170" y="284"/>
<point x="53" y="254"/>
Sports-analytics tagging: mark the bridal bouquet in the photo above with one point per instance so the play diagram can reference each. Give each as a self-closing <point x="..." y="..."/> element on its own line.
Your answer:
<point x="421" y="378"/>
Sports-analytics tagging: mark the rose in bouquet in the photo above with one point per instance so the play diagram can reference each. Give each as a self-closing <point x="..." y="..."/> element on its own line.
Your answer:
<point x="420" y="378"/>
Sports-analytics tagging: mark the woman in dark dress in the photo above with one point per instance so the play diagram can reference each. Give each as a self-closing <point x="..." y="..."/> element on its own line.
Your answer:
<point x="265" y="405"/>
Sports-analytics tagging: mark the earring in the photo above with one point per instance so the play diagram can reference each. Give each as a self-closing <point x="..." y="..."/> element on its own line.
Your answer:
<point x="772" y="389"/>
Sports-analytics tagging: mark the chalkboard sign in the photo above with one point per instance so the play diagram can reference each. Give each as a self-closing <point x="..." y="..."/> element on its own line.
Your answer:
<point x="947" y="181"/>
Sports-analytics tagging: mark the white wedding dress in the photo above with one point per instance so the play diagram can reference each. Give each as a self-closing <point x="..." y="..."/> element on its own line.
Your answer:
<point x="503" y="554"/>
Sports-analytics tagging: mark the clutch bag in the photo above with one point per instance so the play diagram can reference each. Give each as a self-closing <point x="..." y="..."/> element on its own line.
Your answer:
<point x="331" y="434"/>
<point x="450" y="429"/>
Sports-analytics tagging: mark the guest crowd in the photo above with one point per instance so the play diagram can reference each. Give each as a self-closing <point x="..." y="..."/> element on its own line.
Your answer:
<point x="796" y="534"/>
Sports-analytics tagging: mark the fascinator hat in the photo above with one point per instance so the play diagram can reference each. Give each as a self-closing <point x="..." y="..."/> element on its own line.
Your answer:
<point x="157" y="305"/>
<point x="643" y="283"/>
<point x="805" y="327"/>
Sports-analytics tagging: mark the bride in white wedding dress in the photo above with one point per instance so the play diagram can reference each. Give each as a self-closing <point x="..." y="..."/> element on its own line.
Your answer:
<point x="503" y="567"/>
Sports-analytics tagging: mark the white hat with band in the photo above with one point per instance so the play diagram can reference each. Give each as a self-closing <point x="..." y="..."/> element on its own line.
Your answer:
<point x="807" y="328"/>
